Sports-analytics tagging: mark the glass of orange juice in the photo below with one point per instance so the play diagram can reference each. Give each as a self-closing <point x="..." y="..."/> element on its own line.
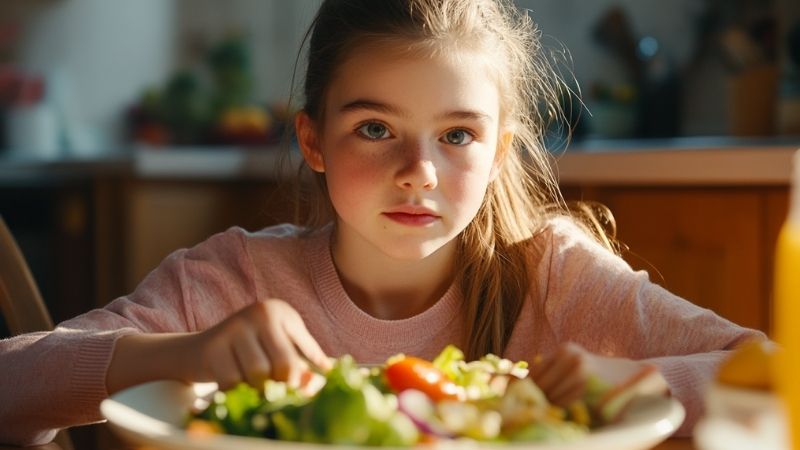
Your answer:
<point x="787" y="310"/>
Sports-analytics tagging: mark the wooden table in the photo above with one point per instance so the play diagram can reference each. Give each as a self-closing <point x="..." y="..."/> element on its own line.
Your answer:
<point x="670" y="444"/>
<point x="676" y="444"/>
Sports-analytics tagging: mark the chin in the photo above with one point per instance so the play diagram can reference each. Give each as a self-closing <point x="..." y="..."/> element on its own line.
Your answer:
<point x="414" y="250"/>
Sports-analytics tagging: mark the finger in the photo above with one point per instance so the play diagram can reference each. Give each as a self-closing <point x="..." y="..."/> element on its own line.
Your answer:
<point x="308" y="346"/>
<point x="569" y="391"/>
<point x="283" y="357"/>
<point x="225" y="369"/>
<point x="560" y="366"/>
<point x="536" y="365"/>
<point x="554" y="371"/>
<point x="543" y="365"/>
<point x="252" y="360"/>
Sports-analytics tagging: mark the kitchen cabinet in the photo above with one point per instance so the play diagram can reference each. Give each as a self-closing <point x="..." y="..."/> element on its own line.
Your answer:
<point x="701" y="215"/>
<point x="49" y="218"/>
<point x="164" y="215"/>
<point x="711" y="245"/>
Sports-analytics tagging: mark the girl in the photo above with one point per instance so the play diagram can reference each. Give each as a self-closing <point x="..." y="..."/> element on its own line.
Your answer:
<point x="437" y="221"/>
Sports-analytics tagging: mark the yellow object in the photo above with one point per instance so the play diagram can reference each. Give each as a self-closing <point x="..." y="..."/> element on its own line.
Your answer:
<point x="244" y="118"/>
<point x="787" y="310"/>
<point x="579" y="413"/>
<point x="749" y="366"/>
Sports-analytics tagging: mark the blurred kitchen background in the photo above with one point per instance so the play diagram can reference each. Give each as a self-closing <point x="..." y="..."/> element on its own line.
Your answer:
<point x="88" y="77"/>
<point x="131" y="128"/>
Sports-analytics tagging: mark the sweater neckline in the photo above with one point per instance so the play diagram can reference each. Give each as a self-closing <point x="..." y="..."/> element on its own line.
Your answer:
<point x="353" y="320"/>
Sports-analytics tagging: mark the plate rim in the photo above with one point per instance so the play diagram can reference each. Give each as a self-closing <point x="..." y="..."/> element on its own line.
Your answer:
<point x="174" y="437"/>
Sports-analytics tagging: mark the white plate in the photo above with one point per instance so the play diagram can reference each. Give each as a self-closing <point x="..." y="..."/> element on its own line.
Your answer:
<point x="152" y="414"/>
<point x="741" y="419"/>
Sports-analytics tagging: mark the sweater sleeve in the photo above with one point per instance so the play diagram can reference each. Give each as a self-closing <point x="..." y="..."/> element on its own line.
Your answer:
<point x="53" y="380"/>
<point x="594" y="298"/>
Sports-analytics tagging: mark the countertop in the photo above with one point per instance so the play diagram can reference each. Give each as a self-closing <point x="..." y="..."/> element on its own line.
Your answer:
<point x="681" y="161"/>
<point x="173" y="163"/>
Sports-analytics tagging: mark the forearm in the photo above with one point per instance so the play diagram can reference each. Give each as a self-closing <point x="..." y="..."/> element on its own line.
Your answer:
<point x="52" y="380"/>
<point x="147" y="357"/>
<point x="688" y="377"/>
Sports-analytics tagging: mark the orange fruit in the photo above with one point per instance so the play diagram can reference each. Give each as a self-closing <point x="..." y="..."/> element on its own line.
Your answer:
<point x="749" y="366"/>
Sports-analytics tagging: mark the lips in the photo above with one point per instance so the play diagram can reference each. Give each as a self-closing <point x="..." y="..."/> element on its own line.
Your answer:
<point x="412" y="215"/>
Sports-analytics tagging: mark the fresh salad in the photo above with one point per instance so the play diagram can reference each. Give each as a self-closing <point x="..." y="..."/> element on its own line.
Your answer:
<point x="406" y="401"/>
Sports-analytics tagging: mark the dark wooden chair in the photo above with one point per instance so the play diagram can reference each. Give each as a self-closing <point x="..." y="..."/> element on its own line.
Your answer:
<point x="20" y="301"/>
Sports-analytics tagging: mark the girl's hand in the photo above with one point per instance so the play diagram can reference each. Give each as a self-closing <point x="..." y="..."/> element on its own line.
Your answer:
<point x="563" y="375"/>
<point x="267" y="339"/>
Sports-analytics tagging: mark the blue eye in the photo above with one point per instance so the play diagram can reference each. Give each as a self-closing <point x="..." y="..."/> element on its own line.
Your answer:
<point x="373" y="130"/>
<point x="458" y="137"/>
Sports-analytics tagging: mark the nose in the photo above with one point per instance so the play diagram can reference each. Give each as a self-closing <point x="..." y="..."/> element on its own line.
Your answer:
<point x="418" y="170"/>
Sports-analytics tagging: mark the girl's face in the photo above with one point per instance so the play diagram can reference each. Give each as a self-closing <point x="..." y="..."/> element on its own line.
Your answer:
<point x="408" y="147"/>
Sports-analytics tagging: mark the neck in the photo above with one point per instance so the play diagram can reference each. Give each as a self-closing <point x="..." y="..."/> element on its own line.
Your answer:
<point x="392" y="289"/>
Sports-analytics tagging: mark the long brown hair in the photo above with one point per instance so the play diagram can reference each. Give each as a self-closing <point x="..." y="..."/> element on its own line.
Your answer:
<point x="493" y="265"/>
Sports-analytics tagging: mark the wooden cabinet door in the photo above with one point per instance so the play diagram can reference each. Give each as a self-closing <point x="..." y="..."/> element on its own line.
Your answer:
<point x="164" y="216"/>
<point x="706" y="245"/>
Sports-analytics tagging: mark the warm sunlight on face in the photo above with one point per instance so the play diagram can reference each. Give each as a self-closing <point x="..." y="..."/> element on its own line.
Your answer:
<point x="408" y="149"/>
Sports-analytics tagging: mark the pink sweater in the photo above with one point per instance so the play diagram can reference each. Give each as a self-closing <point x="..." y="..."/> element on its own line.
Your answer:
<point x="580" y="292"/>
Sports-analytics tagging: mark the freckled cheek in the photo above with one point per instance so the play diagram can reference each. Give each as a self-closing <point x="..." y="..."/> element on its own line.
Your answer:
<point x="352" y="183"/>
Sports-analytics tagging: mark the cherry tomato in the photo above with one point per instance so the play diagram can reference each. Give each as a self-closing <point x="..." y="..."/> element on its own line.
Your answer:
<point x="415" y="373"/>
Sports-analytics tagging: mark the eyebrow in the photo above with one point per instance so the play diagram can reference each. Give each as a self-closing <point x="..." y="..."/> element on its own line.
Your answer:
<point x="371" y="105"/>
<point x="467" y="115"/>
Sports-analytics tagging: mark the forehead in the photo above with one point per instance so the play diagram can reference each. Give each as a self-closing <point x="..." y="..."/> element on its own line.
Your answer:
<point x="416" y="81"/>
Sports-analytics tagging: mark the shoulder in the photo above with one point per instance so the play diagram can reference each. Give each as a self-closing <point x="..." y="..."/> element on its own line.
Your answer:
<point x="236" y="237"/>
<point x="280" y="246"/>
<point x="283" y="238"/>
<point x="236" y="246"/>
<point x="560" y="235"/>
<point x="564" y="252"/>
<point x="238" y="260"/>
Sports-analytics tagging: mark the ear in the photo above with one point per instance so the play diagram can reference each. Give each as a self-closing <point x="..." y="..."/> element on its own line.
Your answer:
<point x="504" y="145"/>
<point x="308" y="139"/>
